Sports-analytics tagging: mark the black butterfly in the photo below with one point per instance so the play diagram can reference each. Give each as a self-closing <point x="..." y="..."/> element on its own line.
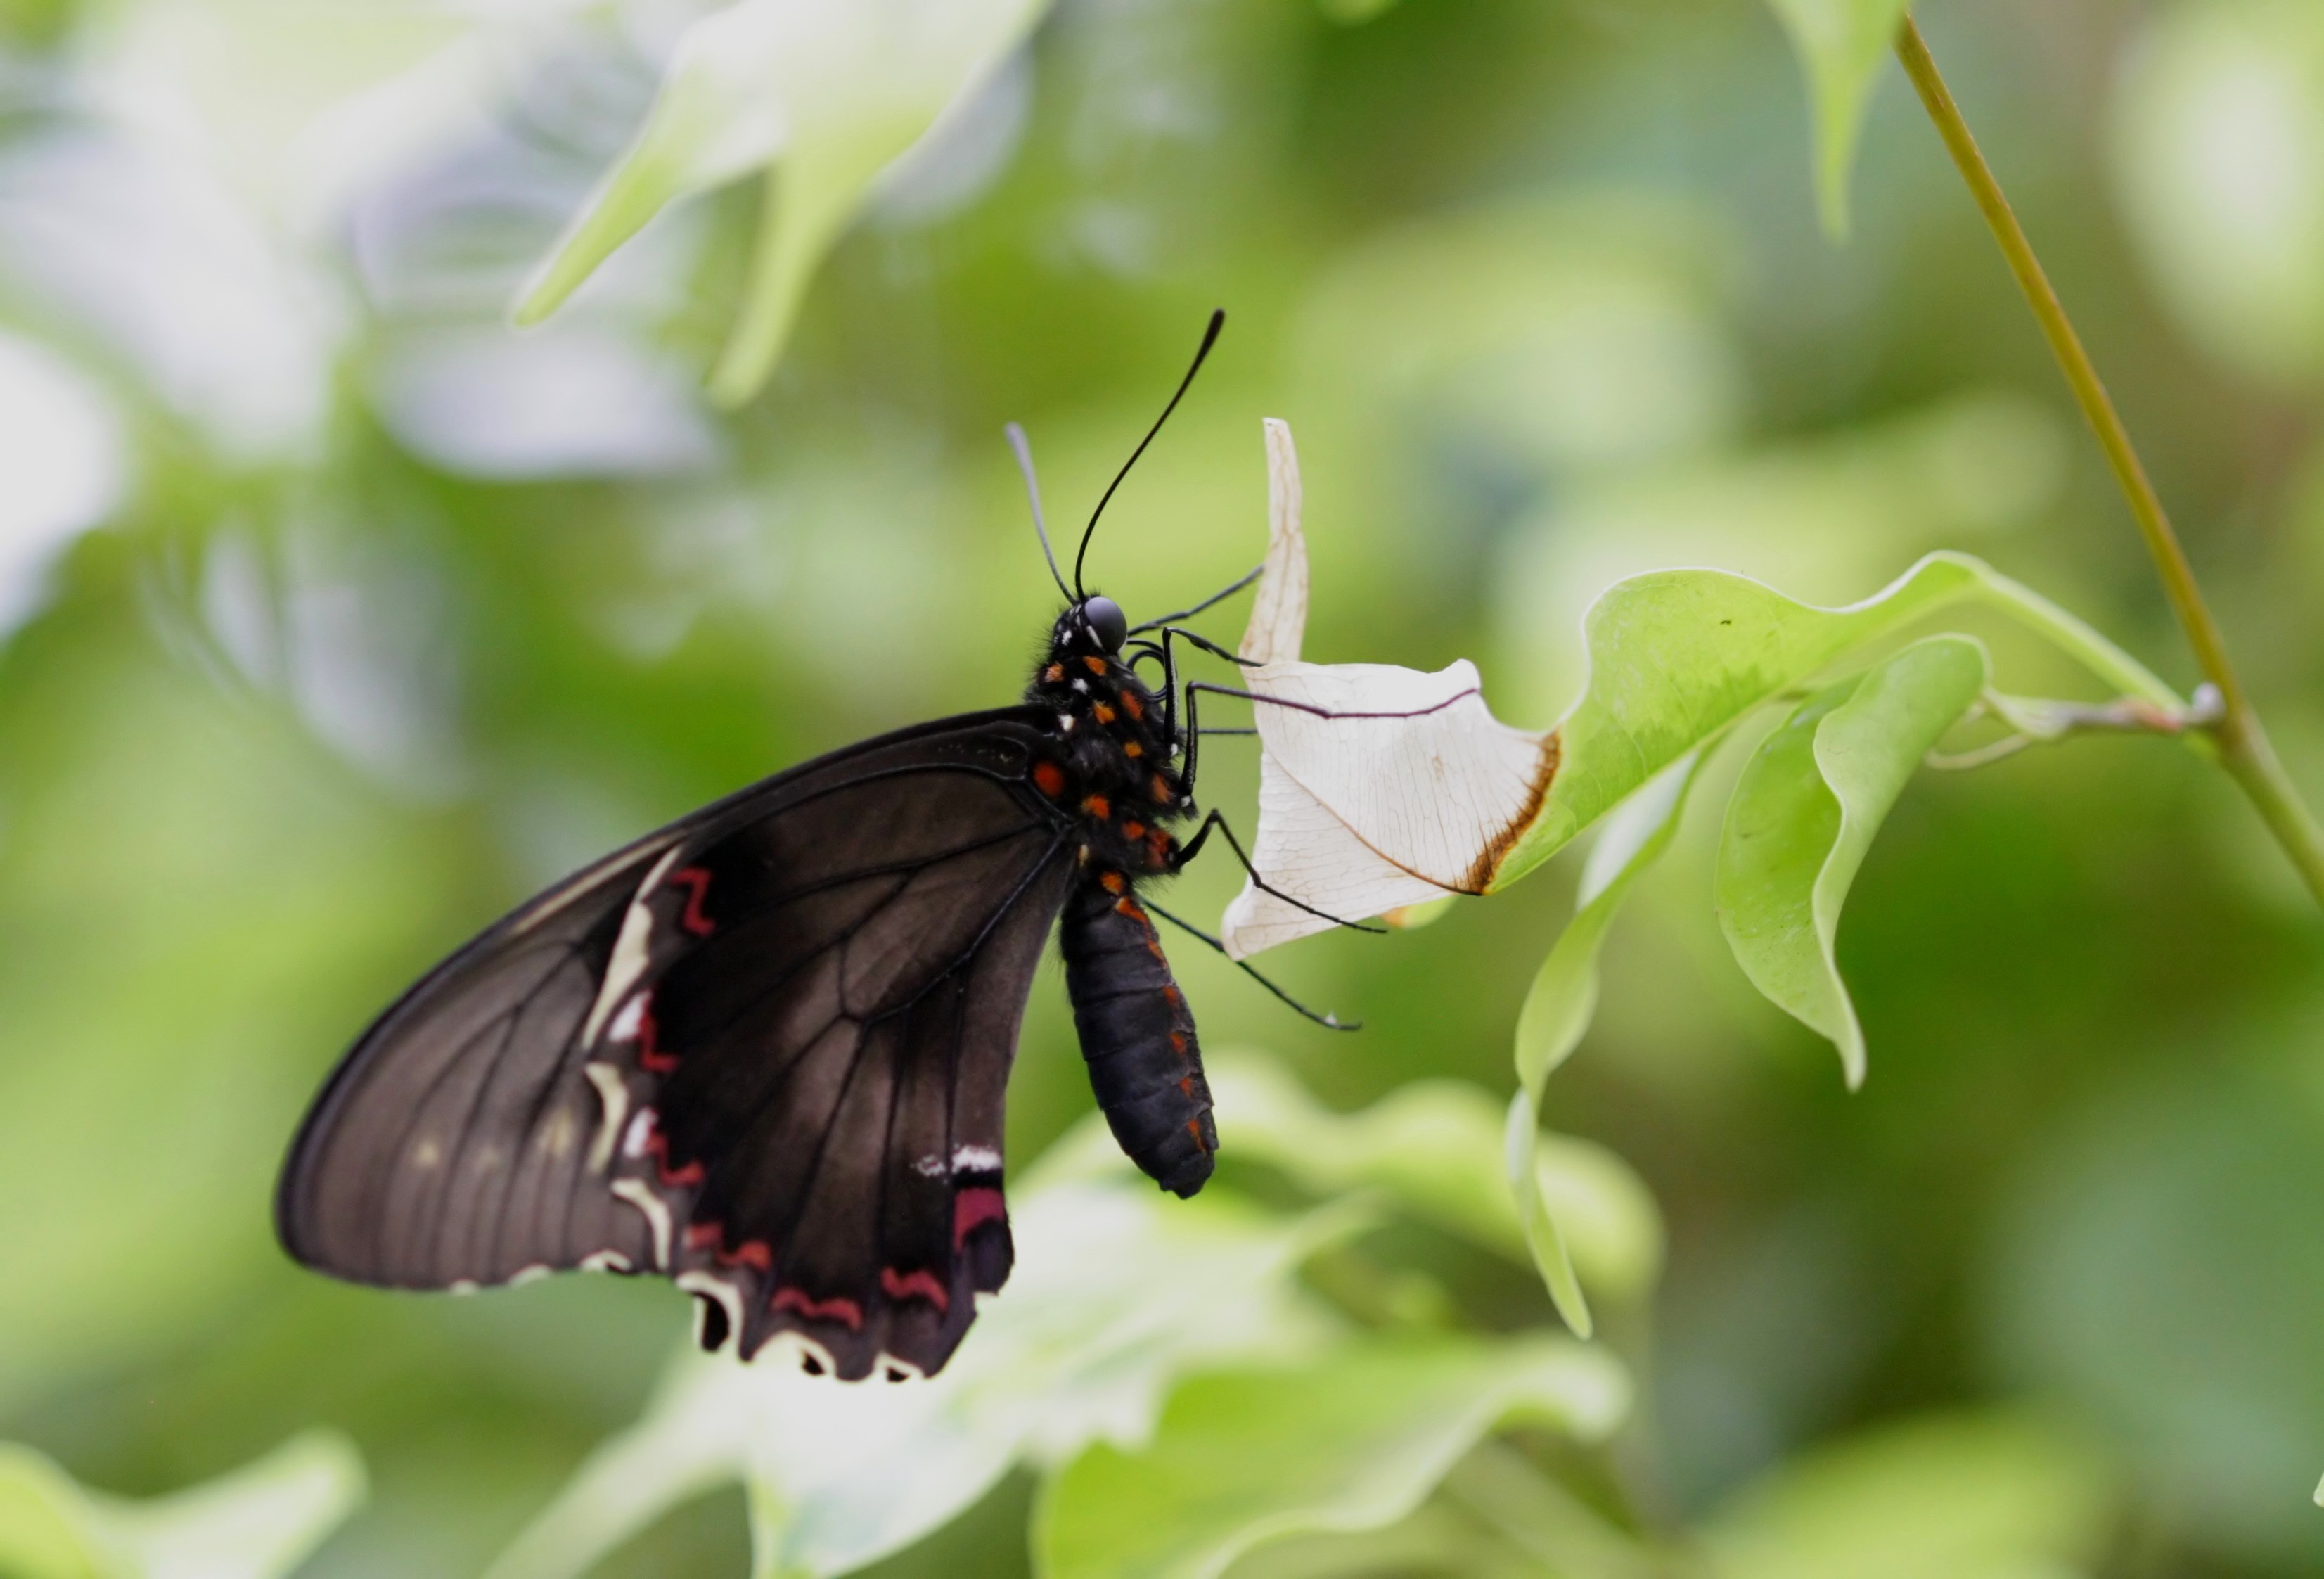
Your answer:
<point x="763" y="1051"/>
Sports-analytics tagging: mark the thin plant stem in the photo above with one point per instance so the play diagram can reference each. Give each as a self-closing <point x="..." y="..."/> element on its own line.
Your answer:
<point x="2244" y="748"/>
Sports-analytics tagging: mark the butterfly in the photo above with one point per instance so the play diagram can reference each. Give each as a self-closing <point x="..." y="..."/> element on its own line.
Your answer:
<point x="763" y="1051"/>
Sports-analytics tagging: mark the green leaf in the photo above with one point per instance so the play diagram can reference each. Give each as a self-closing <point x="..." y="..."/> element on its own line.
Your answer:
<point x="1434" y="1147"/>
<point x="1559" y="1008"/>
<point x="1841" y="45"/>
<point x="257" y="1522"/>
<point x="1352" y="1441"/>
<point x="824" y="95"/>
<point x="1805" y="811"/>
<point x="1117" y="1290"/>
<point x="1677" y="656"/>
<point x="1998" y="1496"/>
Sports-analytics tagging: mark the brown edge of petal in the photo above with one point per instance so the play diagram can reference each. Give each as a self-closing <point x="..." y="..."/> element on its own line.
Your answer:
<point x="1478" y="879"/>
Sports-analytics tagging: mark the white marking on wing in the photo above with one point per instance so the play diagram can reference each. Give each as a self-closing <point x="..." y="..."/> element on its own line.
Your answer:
<point x="605" y="1260"/>
<point x="657" y="1211"/>
<point x="625" y="1025"/>
<point x="976" y="1159"/>
<point x="630" y="950"/>
<point x="725" y="1293"/>
<point x="614" y="1093"/>
<point x="572" y="887"/>
<point x="634" y="1144"/>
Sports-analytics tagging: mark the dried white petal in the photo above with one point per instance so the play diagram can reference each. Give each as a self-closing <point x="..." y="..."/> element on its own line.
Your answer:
<point x="1410" y="790"/>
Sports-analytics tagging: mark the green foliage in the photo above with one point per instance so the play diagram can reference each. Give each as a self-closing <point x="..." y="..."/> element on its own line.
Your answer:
<point x="1565" y="996"/>
<point x="1676" y="659"/>
<point x="823" y="98"/>
<point x="1842" y="45"/>
<point x="1352" y="1440"/>
<point x="1676" y="656"/>
<point x="1118" y="1296"/>
<point x="1970" y="1497"/>
<point x="1806" y="811"/>
<point x="340" y="616"/>
<point x="258" y="1522"/>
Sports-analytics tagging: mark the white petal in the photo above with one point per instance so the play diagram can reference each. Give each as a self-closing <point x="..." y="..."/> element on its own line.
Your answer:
<point x="1410" y="790"/>
<point x="1278" y="612"/>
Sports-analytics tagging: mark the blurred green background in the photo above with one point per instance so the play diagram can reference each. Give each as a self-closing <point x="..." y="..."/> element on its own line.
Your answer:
<point x="338" y="616"/>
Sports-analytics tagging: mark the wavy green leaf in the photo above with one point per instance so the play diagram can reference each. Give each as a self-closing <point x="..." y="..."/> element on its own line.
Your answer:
<point x="1117" y="1291"/>
<point x="824" y="95"/>
<point x="1807" y="808"/>
<point x="1677" y="656"/>
<point x="1352" y="1441"/>
<point x="1841" y="44"/>
<point x="260" y="1521"/>
<point x="1559" y="1008"/>
<point x="1433" y="1147"/>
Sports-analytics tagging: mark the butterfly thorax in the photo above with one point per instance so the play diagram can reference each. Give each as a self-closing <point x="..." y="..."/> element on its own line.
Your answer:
<point x="1112" y="770"/>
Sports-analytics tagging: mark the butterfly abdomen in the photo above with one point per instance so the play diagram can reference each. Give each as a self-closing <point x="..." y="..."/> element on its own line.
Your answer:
<point x="1138" y="1035"/>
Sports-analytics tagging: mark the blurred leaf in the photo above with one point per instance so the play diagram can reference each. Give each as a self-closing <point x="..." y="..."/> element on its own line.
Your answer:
<point x="1433" y="1147"/>
<point x="1967" y="1497"/>
<point x="1353" y="1440"/>
<point x="1841" y="45"/>
<point x="1676" y="656"/>
<point x="2219" y="161"/>
<point x="1115" y="1292"/>
<point x="1565" y="996"/>
<point x="824" y="95"/>
<point x="2159" y="1268"/>
<point x="1806" y="810"/>
<point x="260" y="1521"/>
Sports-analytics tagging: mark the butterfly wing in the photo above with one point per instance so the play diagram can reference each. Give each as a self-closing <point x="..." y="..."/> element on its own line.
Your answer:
<point x="763" y="1051"/>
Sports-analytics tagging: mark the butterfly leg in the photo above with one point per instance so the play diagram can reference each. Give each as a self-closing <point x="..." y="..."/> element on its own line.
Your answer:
<point x="1203" y="685"/>
<point x="1329" y="1021"/>
<point x="1217" y="819"/>
<point x="1219" y="597"/>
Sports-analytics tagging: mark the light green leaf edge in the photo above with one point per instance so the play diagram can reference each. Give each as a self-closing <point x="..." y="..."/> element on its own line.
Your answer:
<point x="258" y="1522"/>
<point x="1035" y="1380"/>
<point x="747" y="89"/>
<point x="1353" y="1441"/>
<point x="1432" y="1148"/>
<point x="1558" y="1010"/>
<point x="2008" y="1493"/>
<point x="1805" y="811"/>
<point x="1677" y="656"/>
<point x="1841" y="45"/>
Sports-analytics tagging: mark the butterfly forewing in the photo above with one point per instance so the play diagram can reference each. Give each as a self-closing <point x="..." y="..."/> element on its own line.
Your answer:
<point x="764" y="1051"/>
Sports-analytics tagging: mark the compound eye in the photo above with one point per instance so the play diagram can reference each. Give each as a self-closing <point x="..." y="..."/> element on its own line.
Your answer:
<point x="1107" y="623"/>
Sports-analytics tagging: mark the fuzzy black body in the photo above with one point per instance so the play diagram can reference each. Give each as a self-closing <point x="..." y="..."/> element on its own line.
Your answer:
<point x="1117" y="776"/>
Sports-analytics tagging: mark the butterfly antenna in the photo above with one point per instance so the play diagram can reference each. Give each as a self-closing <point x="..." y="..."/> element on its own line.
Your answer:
<point x="1033" y="494"/>
<point x="1210" y="338"/>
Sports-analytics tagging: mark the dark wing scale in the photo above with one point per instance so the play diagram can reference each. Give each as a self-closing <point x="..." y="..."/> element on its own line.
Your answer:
<point x="742" y="1033"/>
<point x="842" y="1038"/>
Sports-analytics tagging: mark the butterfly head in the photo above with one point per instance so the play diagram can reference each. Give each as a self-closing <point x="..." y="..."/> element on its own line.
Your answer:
<point x="1095" y="625"/>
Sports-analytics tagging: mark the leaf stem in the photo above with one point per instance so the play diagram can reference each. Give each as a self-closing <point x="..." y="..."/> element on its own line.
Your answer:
<point x="2244" y="748"/>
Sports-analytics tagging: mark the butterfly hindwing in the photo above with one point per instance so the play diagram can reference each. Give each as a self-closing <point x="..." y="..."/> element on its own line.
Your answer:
<point x="763" y="1050"/>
